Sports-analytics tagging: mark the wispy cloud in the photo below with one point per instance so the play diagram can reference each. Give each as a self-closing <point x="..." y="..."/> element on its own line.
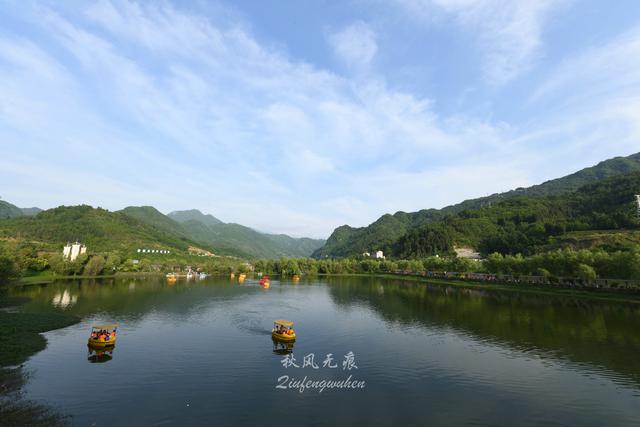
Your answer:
<point x="355" y="45"/>
<point x="152" y="103"/>
<point x="508" y="32"/>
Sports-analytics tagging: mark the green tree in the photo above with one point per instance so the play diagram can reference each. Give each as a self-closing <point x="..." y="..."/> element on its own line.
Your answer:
<point x="586" y="273"/>
<point x="95" y="266"/>
<point x="8" y="269"/>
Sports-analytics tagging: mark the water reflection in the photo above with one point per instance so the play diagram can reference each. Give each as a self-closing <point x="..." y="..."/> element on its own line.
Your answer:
<point x="596" y="333"/>
<point x="431" y="355"/>
<point x="100" y="354"/>
<point x="64" y="299"/>
<point x="281" y="347"/>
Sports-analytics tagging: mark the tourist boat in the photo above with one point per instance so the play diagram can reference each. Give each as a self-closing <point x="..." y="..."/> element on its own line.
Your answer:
<point x="110" y="340"/>
<point x="295" y="278"/>
<point x="264" y="282"/>
<point x="171" y="278"/>
<point x="202" y="275"/>
<point x="286" y="325"/>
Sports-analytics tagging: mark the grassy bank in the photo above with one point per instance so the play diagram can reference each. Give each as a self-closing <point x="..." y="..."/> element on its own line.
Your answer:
<point x="20" y="338"/>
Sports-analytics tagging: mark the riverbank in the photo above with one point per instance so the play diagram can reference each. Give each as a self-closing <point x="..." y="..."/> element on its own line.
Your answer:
<point x="42" y="279"/>
<point x="20" y="338"/>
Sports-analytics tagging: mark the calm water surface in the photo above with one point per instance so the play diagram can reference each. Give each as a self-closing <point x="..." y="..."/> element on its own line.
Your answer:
<point x="201" y="353"/>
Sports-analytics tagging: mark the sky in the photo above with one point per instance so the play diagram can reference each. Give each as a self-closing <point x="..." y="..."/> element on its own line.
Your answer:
<point x="300" y="116"/>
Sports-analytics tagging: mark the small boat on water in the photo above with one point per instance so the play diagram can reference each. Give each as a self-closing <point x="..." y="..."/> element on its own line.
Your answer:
<point x="295" y="278"/>
<point x="103" y="336"/>
<point x="171" y="278"/>
<point x="264" y="282"/>
<point x="203" y="275"/>
<point x="283" y="330"/>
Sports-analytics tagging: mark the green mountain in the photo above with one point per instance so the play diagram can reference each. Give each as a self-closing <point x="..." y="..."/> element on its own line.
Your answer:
<point x="153" y="217"/>
<point x="241" y="239"/>
<point x="99" y="229"/>
<point x="7" y="210"/>
<point x="431" y="231"/>
<point x="30" y="211"/>
<point x="194" y="215"/>
<point x="144" y="226"/>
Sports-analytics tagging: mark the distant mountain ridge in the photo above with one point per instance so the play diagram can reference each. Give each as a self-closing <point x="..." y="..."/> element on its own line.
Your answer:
<point x="99" y="229"/>
<point x="136" y="226"/>
<point x="389" y="229"/>
<point x="8" y="210"/>
<point x="242" y="239"/>
<point x="194" y="215"/>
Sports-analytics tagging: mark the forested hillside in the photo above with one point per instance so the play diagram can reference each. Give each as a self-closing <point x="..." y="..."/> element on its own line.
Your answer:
<point x="99" y="229"/>
<point x="243" y="240"/>
<point x="520" y="221"/>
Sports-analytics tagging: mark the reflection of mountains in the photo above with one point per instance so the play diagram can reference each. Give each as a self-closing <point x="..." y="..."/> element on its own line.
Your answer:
<point x="583" y="331"/>
<point x="123" y="297"/>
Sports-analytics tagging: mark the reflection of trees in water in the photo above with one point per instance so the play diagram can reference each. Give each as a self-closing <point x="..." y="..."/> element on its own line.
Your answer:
<point x="598" y="333"/>
<point x="132" y="297"/>
<point x="16" y="410"/>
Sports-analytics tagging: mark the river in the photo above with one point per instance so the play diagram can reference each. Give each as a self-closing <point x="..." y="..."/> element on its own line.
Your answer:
<point x="388" y="352"/>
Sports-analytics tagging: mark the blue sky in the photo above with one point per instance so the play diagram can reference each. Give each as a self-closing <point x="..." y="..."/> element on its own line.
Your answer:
<point x="297" y="117"/>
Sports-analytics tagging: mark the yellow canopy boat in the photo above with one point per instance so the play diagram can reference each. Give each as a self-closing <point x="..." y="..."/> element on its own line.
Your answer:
<point x="99" y="338"/>
<point x="283" y="330"/>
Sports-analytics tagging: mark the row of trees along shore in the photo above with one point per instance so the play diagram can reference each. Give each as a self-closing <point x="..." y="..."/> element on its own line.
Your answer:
<point x="586" y="265"/>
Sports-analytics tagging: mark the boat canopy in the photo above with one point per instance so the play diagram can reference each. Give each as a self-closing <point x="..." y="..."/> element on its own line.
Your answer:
<point x="282" y="322"/>
<point x="105" y="326"/>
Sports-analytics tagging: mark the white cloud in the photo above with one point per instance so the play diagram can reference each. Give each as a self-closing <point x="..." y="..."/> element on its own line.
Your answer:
<point x="508" y="32"/>
<point x="355" y="45"/>
<point x="149" y="104"/>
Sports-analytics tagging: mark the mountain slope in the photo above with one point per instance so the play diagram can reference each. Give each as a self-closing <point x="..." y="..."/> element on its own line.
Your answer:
<point x="151" y="216"/>
<point x="241" y="239"/>
<point x="99" y="229"/>
<point x="7" y="210"/>
<point x="30" y="211"/>
<point x="388" y="229"/>
<point x="194" y="215"/>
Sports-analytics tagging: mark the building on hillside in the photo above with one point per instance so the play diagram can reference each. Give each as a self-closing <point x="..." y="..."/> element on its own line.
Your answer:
<point x="366" y="254"/>
<point x="72" y="251"/>
<point x="379" y="255"/>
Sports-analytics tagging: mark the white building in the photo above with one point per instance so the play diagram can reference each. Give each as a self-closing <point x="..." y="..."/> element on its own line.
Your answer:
<point x="153" y="251"/>
<point x="73" y="251"/>
<point x="379" y="255"/>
